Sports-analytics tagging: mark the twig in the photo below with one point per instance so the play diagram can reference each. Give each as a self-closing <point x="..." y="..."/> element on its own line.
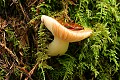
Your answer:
<point x="10" y="52"/>
<point x="9" y="72"/>
<point x="32" y="3"/>
<point x="4" y="38"/>
<point x="10" y="68"/>
<point x="24" y="12"/>
<point x="31" y="72"/>
<point x="23" y="70"/>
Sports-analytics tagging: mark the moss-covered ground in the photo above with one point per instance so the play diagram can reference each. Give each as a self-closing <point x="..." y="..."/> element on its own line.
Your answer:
<point x="23" y="40"/>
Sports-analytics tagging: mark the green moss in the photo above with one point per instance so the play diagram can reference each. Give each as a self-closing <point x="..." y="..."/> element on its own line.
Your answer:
<point x="96" y="57"/>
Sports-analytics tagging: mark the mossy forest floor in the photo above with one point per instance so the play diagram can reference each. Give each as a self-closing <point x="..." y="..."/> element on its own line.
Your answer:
<point x="23" y="40"/>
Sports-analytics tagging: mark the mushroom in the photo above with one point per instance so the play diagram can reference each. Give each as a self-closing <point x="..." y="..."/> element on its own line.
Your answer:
<point x="62" y="36"/>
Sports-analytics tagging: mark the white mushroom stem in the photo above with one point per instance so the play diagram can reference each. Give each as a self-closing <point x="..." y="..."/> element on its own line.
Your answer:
<point x="57" y="47"/>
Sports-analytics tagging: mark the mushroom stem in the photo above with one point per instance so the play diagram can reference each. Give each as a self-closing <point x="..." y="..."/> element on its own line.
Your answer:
<point x="57" y="47"/>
